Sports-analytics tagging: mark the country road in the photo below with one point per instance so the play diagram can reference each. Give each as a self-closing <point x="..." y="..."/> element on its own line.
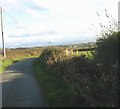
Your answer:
<point x="20" y="87"/>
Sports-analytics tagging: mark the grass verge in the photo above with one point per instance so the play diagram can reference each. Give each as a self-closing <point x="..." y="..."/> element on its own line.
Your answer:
<point x="57" y="93"/>
<point x="9" y="61"/>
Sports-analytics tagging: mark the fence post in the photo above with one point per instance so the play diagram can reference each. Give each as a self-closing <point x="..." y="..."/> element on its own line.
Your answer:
<point x="66" y="50"/>
<point x="71" y="52"/>
<point x="77" y="53"/>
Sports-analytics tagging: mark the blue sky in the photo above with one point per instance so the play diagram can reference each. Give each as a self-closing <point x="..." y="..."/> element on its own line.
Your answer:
<point x="38" y="22"/>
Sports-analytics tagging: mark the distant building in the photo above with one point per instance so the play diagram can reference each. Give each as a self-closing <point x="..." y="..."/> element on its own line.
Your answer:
<point x="75" y="46"/>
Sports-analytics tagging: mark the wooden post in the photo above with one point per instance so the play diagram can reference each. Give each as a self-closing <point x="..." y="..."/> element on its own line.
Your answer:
<point x="4" y="52"/>
<point x="77" y="52"/>
<point x="71" y="52"/>
<point x="66" y="52"/>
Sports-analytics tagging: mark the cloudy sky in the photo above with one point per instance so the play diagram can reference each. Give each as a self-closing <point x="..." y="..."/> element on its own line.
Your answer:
<point x="38" y="22"/>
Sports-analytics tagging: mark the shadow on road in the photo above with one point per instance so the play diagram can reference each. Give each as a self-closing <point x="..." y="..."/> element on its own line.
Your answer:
<point x="20" y="87"/>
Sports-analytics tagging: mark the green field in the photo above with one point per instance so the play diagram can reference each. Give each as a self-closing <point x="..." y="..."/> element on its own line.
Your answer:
<point x="88" y="54"/>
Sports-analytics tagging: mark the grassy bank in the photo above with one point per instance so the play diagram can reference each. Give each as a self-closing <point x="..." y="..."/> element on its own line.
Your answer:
<point x="57" y="93"/>
<point x="76" y="81"/>
<point x="5" y="64"/>
<point x="9" y="61"/>
<point x="54" y="74"/>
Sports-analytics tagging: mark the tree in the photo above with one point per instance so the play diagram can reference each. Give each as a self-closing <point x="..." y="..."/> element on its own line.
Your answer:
<point x="107" y="42"/>
<point x="107" y="49"/>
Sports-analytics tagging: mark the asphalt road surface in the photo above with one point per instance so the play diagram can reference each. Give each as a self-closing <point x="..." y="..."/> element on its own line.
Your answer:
<point x="20" y="87"/>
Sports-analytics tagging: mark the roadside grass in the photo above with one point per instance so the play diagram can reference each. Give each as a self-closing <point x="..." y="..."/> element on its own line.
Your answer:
<point x="57" y="93"/>
<point x="5" y="63"/>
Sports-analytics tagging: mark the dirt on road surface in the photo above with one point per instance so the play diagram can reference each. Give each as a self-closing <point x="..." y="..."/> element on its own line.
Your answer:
<point x="20" y="87"/>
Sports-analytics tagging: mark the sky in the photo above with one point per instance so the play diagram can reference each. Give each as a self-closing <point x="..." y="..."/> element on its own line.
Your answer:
<point x="30" y="23"/>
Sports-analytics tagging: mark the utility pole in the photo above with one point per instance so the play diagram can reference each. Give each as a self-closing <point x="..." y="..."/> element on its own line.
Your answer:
<point x="4" y="52"/>
<point x="49" y="44"/>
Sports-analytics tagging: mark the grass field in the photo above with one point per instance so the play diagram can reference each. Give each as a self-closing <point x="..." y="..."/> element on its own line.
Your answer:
<point x="15" y="55"/>
<point x="88" y="54"/>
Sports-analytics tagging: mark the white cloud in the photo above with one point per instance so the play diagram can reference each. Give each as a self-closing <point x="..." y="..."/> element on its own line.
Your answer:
<point x="33" y="13"/>
<point x="69" y="18"/>
<point x="10" y="5"/>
